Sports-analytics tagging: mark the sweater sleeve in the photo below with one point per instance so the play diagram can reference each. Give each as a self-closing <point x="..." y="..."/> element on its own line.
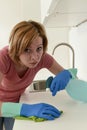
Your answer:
<point x="47" y="60"/>
<point x="4" y="61"/>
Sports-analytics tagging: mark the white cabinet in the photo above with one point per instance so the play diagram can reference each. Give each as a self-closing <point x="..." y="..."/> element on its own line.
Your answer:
<point x="66" y="13"/>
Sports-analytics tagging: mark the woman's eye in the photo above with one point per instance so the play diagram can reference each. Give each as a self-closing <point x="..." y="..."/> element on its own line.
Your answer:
<point x="39" y="48"/>
<point x="27" y="50"/>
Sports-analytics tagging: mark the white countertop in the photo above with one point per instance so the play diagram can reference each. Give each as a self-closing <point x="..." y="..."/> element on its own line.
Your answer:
<point x="74" y="115"/>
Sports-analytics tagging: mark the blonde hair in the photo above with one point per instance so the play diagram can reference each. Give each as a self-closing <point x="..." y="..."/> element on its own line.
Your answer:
<point x="22" y="35"/>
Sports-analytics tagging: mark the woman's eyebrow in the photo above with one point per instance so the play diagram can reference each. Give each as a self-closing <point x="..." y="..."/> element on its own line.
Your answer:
<point x="37" y="46"/>
<point x="41" y="44"/>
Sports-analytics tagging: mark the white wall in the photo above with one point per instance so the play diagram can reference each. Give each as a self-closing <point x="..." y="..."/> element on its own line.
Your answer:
<point x="12" y="12"/>
<point x="78" y="39"/>
<point x="56" y="36"/>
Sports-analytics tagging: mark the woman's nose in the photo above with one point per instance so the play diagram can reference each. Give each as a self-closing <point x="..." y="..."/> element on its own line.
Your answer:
<point x="34" y="55"/>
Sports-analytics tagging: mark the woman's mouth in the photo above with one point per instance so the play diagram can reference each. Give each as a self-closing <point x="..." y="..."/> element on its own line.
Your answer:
<point x="34" y="63"/>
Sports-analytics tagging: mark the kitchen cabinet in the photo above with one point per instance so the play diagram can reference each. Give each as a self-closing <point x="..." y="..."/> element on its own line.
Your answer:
<point x="66" y="13"/>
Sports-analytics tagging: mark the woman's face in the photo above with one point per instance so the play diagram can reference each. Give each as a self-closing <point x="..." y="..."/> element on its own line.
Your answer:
<point x="32" y="55"/>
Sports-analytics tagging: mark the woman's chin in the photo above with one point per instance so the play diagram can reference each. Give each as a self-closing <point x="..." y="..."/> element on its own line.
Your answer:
<point x="32" y="66"/>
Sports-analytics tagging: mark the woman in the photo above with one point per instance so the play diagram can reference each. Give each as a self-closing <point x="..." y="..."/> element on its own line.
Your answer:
<point x="19" y="63"/>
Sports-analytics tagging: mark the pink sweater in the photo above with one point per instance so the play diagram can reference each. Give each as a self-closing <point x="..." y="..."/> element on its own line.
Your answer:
<point x="12" y="86"/>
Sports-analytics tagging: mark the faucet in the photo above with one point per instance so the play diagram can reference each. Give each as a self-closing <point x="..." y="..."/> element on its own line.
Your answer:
<point x="73" y="53"/>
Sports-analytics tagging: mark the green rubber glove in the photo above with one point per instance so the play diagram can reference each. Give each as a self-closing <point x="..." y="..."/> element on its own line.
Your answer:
<point x="40" y="110"/>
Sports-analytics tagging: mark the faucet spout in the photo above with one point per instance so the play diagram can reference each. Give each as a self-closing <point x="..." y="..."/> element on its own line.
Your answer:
<point x="68" y="45"/>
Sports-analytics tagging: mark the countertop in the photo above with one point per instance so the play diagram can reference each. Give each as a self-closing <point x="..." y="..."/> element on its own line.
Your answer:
<point x="74" y="115"/>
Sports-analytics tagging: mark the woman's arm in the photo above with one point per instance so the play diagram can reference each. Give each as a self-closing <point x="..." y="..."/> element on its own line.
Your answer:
<point x="0" y="108"/>
<point x="1" y="76"/>
<point x="39" y="110"/>
<point x="55" y="68"/>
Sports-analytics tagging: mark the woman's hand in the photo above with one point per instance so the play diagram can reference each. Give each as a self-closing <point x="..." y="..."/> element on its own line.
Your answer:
<point x="40" y="110"/>
<point x="59" y="82"/>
